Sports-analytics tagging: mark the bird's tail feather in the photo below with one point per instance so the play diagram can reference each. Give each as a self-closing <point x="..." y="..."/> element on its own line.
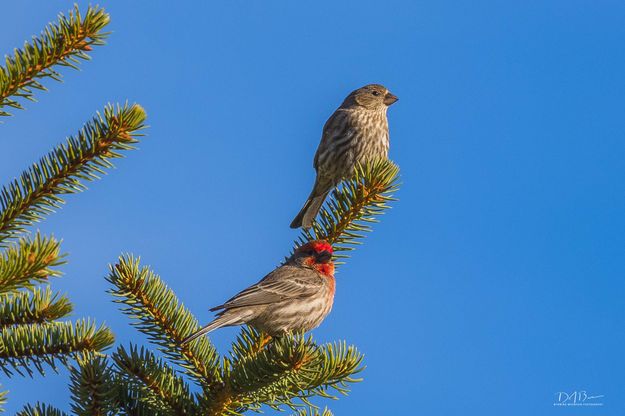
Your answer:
<point x="223" y="320"/>
<point x="312" y="206"/>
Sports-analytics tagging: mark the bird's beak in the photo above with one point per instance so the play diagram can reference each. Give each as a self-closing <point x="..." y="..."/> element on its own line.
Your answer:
<point x="390" y="98"/>
<point x="324" y="256"/>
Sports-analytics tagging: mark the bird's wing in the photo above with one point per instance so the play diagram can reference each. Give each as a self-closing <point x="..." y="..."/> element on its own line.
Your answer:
<point x="335" y="128"/>
<point x="286" y="282"/>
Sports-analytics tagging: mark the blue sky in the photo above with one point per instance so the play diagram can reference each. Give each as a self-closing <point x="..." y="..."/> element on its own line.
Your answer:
<point x="495" y="281"/>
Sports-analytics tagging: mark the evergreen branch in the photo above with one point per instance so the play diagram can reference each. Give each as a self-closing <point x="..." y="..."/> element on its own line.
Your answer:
<point x="3" y="400"/>
<point x="91" y="385"/>
<point x="133" y="400"/>
<point x="314" y="373"/>
<point x="63" y="43"/>
<point x="159" y="314"/>
<point x="163" y="388"/>
<point x="29" y="261"/>
<point x="313" y="411"/>
<point x="26" y="346"/>
<point x="40" y="409"/>
<point x="36" y="193"/>
<point x="288" y="368"/>
<point x="248" y="344"/>
<point x="36" y="307"/>
<point x="354" y="205"/>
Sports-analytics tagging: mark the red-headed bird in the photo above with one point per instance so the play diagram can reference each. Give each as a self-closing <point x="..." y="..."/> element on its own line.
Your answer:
<point x="296" y="296"/>
<point x="355" y="133"/>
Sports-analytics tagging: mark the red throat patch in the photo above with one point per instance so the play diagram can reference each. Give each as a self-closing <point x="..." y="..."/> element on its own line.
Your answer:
<point x="326" y="269"/>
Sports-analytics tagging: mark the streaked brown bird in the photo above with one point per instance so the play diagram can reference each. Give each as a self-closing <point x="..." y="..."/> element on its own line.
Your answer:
<point x="355" y="133"/>
<point x="296" y="296"/>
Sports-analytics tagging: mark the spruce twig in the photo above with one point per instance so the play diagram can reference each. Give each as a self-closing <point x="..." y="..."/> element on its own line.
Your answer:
<point x="353" y="206"/>
<point x="159" y="314"/>
<point x="82" y="158"/>
<point x="162" y="388"/>
<point x="25" y="346"/>
<point x="40" y="409"/>
<point x="33" y="307"/>
<point x="63" y="43"/>
<point x="91" y="386"/>
<point x="29" y="261"/>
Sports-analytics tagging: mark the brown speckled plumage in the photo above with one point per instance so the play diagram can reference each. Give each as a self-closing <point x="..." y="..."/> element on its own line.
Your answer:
<point x="296" y="296"/>
<point x="356" y="132"/>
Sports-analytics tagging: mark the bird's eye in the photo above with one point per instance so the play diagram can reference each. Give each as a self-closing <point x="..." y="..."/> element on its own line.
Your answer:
<point x="376" y="93"/>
